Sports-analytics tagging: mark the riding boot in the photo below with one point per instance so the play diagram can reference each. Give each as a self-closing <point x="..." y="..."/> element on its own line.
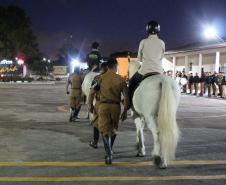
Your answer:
<point x="107" y="147"/>
<point x="76" y="112"/>
<point x="95" y="138"/>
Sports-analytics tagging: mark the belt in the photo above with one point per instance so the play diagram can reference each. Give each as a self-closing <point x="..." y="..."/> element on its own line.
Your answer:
<point x="75" y="88"/>
<point x="110" y="102"/>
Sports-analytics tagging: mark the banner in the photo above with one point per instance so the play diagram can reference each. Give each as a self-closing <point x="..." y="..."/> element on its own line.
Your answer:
<point x="59" y="70"/>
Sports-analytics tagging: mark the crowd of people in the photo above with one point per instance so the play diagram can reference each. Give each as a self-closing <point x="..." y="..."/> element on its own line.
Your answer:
<point x="210" y="84"/>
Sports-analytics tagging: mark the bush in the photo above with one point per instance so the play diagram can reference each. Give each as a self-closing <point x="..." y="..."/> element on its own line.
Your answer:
<point x="15" y="78"/>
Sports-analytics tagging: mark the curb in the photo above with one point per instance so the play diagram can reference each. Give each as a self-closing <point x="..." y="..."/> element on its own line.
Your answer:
<point x="27" y="83"/>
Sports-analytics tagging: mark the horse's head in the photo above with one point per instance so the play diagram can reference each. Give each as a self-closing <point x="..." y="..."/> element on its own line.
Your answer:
<point x="134" y="65"/>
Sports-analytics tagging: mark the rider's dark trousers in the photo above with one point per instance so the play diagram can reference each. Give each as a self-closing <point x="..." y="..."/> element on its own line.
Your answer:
<point x="133" y="82"/>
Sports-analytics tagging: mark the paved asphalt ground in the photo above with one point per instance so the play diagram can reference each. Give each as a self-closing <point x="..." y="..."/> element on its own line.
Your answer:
<point x="39" y="146"/>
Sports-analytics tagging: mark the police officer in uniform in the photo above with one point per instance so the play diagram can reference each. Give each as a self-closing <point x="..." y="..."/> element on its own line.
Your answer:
<point x="75" y="81"/>
<point x="94" y="108"/>
<point x="202" y="84"/>
<point x="214" y="82"/>
<point x="111" y="86"/>
<point x="208" y="83"/>
<point x="150" y="53"/>
<point x="196" y="83"/>
<point x="190" y="83"/>
<point x="94" y="57"/>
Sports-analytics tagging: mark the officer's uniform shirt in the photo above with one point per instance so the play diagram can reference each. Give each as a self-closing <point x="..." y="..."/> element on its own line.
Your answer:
<point x="76" y="82"/>
<point x="110" y="86"/>
<point x="191" y="79"/>
<point x="150" y="53"/>
<point x="196" y="79"/>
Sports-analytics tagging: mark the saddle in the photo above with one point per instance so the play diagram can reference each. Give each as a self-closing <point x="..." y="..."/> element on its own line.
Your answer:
<point x="135" y="84"/>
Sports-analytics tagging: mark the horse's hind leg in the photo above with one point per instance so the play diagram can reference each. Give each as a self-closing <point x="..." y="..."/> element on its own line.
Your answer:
<point x="152" y="125"/>
<point x="140" y="136"/>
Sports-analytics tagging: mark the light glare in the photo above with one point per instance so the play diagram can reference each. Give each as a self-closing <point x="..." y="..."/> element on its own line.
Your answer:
<point x="210" y="33"/>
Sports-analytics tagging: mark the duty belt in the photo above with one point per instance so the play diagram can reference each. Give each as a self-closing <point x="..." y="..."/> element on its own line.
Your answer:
<point x="110" y="102"/>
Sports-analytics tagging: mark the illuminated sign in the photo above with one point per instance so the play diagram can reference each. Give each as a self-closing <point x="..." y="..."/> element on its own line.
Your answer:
<point x="7" y="70"/>
<point x="8" y="62"/>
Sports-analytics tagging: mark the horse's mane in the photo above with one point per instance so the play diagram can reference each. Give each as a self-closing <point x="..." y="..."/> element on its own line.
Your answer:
<point x="133" y="67"/>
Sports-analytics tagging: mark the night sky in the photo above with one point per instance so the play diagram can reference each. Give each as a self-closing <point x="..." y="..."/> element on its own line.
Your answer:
<point x="119" y="24"/>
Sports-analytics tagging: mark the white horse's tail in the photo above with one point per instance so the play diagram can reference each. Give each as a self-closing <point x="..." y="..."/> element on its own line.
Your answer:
<point x="168" y="129"/>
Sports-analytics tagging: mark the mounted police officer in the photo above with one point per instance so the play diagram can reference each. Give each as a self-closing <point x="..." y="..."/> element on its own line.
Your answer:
<point x="75" y="81"/>
<point x="94" y="57"/>
<point x="150" y="53"/>
<point x="110" y="86"/>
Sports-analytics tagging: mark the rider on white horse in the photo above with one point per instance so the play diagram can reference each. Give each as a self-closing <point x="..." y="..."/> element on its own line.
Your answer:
<point x="150" y="53"/>
<point x="155" y="100"/>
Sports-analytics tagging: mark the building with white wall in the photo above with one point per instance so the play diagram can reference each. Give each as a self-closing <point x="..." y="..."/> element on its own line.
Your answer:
<point x="207" y="58"/>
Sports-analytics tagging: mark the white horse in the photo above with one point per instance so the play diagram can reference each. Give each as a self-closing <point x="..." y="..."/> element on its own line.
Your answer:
<point x="155" y="102"/>
<point x="86" y="85"/>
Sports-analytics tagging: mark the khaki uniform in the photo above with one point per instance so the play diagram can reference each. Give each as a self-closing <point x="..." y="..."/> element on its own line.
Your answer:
<point x="75" y="94"/>
<point x="111" y="86"/>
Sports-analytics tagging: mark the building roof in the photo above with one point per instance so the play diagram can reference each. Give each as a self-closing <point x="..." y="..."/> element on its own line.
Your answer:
<point x="198" y="46"/>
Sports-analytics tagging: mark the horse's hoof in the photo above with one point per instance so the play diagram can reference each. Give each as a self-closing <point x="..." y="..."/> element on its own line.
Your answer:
<point x="108" y="160"/>
<point x="140" y="155"/>
<point x="93" y="144"/>
<point x="162" y="166"/>
<point x="157" y="160"/>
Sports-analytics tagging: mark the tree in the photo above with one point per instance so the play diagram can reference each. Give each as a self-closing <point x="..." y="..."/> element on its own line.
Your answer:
<point x="66" y="53"/>
<point x="17" y="37"/>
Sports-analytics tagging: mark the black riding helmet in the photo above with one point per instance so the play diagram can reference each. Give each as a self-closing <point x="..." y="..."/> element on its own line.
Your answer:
<point x="153" y="27"/>
<point x="95" y="45"/>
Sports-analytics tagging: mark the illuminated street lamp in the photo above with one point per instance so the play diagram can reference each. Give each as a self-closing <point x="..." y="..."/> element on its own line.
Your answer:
<point x="210" y="33"/>
<point x="74" y="63"/>
<point x="20" y="61"/>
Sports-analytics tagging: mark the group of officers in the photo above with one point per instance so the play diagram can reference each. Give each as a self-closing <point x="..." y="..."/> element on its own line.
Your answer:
<point x="212" y="83"/>
<point x="110" y="90"/>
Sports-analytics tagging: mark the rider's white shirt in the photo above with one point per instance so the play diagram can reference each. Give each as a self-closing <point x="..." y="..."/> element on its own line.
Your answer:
<point x="150" y="53"/>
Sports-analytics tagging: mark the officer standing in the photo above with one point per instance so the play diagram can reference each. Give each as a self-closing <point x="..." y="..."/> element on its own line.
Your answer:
<point x="208" y="83"/>
<point x="190" y="83"/>
<point x="214" y="83"/>
<point x="150" y="53"/>
<point x="110" y="86"/>
<point x="94" y="108"/>
<point x="75" y="81"/>
<point x="202" y="84"/>
<point x="196" y="83"/>
<point x="94" y="57"/>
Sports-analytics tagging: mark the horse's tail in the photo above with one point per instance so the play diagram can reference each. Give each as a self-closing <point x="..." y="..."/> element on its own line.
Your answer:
<point x="168" y="129"/>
